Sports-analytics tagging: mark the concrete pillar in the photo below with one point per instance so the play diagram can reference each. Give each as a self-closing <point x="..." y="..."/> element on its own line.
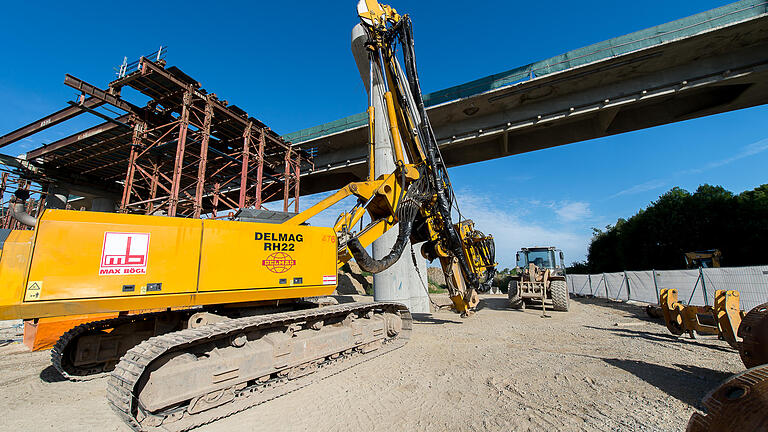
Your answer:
<point x="400" y="282"/>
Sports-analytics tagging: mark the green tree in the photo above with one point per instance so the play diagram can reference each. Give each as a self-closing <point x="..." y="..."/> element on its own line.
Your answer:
<point x="578" y="267"/>
<point x="678" y="222"/>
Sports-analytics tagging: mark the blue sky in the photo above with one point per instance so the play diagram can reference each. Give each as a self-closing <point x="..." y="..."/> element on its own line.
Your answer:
<point x="289" y="64"/>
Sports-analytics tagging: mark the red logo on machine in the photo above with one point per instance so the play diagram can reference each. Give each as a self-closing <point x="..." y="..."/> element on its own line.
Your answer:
<point x="124" y="254"/>
<point x="278" y="262"/>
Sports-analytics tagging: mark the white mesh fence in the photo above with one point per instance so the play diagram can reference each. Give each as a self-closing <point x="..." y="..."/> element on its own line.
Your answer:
<point x="686" y="282"/>
<point x="642" y="286"/>
<point x="579" y="284"/>
<point x="750" y="282"/>
<point x="692" y="285"/>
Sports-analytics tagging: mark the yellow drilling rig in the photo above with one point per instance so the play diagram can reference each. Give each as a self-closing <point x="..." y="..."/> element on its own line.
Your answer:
<point x="206" y="345"/>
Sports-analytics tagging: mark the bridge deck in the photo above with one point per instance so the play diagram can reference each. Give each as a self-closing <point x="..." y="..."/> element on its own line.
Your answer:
<point x="703" y="22"/>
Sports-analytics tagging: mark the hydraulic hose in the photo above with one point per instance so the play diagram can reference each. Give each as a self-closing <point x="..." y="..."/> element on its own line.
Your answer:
<point x="409" y="206"/>
<point x="367" y="263"/>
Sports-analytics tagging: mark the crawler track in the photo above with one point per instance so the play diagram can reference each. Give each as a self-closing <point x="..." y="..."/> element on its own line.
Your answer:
<point x="133" y="371"/>
<point x="60" y="357"/>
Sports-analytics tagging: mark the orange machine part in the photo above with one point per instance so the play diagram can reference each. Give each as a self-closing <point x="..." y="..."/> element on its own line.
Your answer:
<point x="738" y="405"/>
<point x="42" y="334"/>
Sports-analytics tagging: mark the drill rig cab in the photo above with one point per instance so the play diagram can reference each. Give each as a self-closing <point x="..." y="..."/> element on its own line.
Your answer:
<point x="539" y="277"/>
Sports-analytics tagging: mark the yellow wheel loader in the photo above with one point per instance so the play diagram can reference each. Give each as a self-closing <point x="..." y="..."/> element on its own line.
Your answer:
<point x="224" y="326"/>
<point x="539" y="277"/>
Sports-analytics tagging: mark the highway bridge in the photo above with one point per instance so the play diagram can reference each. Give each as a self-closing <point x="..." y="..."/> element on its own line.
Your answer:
<point x="709" y="63"/>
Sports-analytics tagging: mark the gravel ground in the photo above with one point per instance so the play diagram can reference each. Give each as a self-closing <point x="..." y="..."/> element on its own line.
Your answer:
<point x="601" y="366"/>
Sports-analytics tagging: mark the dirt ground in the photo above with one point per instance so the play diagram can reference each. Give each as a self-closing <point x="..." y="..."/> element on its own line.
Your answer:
<point x="601" y="367"/>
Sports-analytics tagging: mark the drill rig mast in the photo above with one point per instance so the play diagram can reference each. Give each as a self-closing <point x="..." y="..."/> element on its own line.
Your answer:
<point x="466" y="255"/>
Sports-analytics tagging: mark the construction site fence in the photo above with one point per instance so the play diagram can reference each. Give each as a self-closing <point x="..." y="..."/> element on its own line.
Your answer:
<point x="694" y="287"/>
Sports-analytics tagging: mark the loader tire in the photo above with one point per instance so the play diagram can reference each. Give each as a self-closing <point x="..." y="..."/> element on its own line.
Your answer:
<point x="559" y="295"/>
<point x="515" y="301"/>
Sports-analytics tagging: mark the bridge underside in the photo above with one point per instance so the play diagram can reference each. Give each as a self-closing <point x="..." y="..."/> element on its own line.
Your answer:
<point x="713" y="72"/>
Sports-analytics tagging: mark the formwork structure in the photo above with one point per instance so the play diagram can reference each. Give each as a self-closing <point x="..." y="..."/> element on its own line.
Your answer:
<point x="186" y="153"/>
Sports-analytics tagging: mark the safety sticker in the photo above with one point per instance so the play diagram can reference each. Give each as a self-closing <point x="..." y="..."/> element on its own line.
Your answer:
<point x="329" y="280"/>
<point x="33" y="290"/>
<point x="124" y="254"/>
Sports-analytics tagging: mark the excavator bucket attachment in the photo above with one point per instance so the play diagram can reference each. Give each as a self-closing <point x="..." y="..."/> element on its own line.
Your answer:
<point x="728" y="315"/>
<point x="672" y="311"/>
<point x="747" y="333"/>
<point x="699" y="320"/>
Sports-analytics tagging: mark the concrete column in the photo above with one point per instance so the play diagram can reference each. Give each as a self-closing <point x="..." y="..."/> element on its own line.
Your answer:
<point x="400" y="282"/>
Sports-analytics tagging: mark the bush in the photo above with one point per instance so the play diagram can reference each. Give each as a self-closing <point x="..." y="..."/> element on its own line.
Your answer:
<point x="578" y="267"/>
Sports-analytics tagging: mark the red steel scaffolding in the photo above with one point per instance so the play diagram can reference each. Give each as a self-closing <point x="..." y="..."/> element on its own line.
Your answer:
<point x="186" y="153"/>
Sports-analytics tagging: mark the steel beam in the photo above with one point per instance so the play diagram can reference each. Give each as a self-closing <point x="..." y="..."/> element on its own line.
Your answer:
<point x="48" y="121"/>
<point x="260" y="170"/>
<point x="201" y="167"/>
<point x="95" y="92"/>
<point x="154" y="182"/>
<point x="296" y="188"/>
<point x="180" y="149"/>
<point x="104" y="127"/>
<point x="179" y="184"/>
<point x="10" y="161"/>
<point x="245" y="165"/>
<point x="3" y="184"/>
<point x="287" y="180"/>
<point x="138" y="130"/>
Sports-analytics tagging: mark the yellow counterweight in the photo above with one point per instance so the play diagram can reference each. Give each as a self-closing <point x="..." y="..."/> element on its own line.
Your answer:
<point x="89" y="262"/>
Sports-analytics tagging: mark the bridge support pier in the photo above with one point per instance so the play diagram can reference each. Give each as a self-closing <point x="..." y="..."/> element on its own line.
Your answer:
<point x="401" y="282"/>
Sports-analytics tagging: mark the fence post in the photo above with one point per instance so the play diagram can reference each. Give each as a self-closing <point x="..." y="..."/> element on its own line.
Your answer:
<point x="690" y="299"/>
<point x="626" y="280"/>
<point x="589" y="278"/>
<point x="703" y="286"/>
<point x="655" y="285"/>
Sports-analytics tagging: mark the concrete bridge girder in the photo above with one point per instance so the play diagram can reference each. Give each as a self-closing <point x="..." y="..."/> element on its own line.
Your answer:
<point x="673" y="95"/>
<point x="709" y="73"/>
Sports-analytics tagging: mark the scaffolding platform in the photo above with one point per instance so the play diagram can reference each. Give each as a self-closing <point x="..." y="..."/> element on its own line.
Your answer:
<point x="184" y="153"/>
